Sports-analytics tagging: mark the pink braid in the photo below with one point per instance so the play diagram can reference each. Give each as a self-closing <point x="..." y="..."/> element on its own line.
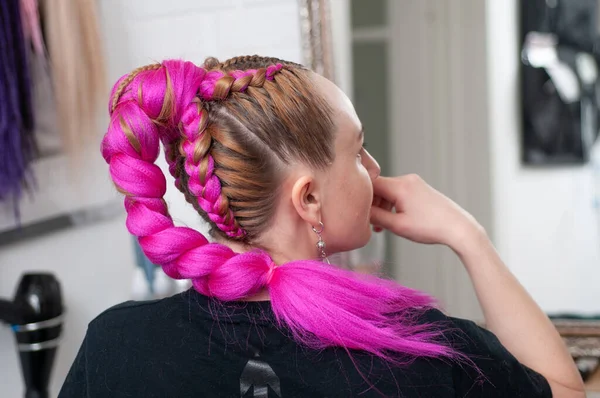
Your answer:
<point x="207" y="187"/>
<point x="208" y="85"/>
<point x="144" y="111"/>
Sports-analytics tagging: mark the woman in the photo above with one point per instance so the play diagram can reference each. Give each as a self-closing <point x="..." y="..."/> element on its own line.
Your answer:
<point x="271" y="155"/>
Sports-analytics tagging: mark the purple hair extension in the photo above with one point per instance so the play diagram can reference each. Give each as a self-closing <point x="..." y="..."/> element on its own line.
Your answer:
<point x="17" y="144"/>
<point x="320" y="305"/>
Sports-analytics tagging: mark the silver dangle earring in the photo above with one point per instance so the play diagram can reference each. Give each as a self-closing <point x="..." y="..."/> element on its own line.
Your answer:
<point x="321" y="243"/>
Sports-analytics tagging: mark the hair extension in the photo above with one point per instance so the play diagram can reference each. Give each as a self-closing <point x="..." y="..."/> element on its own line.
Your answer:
<point x="17" y="144"/>
<point x="77" y="68"/>
<point x="31" y="25"/>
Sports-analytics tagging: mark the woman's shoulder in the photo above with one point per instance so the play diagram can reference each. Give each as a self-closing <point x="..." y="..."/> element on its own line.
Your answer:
<point x="465" y="335"/>
<point x="489" y="369"/>
<point x="134" y="323"/>
<point x="437" y="316"/>
<point x="136" y="312"/>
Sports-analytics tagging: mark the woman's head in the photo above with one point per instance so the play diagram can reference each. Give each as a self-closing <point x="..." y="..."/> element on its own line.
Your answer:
<point x="265" y="150"/>
<point x="299" y="167"/>
<point x="286" y="150"/>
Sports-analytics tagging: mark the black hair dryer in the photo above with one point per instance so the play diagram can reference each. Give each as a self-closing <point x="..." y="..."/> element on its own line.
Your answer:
<point x="35" y="316"/>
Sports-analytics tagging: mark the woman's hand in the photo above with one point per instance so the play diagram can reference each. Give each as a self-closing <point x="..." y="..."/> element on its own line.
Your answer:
<point x="412" y="209"/>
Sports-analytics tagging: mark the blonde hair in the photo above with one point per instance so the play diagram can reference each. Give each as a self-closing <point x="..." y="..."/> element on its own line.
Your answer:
<point x="78" y="70"/>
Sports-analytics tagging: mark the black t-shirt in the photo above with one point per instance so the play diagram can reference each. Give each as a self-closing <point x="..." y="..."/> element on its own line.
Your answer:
<point x="189" y="346"/>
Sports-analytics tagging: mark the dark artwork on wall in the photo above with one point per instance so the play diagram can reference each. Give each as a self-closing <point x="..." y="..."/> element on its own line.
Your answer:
<point x="559" y="80"/>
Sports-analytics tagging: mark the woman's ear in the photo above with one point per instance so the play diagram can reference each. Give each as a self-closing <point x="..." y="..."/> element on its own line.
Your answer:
<point x="307" y="199"/>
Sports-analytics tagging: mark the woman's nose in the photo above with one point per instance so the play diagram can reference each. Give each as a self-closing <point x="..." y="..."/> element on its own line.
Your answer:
<point x="371" y="165"/>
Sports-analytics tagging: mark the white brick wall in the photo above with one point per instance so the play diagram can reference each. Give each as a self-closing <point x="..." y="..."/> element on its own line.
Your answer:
<point x="137" y="32"/>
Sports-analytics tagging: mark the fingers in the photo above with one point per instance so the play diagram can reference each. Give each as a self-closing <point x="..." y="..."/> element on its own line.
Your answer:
<point x="388" y="200"/>
<point x="385" y="188"/>
<point x="382" y="198"/>
<point x="394" y="222"/>
<point x="382" y="218"/>
<point x="386" y="205"/>
<point x="379" y="217"/>
<point x="382" y="204"/>
<point x="376" y="201"/>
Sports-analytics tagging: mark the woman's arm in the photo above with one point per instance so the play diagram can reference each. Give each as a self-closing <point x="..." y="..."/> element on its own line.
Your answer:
<point x="512" y="315"/>
<point x="410" y="208"/>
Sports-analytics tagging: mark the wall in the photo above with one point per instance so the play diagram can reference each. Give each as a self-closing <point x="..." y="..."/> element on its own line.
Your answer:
<point x="546" y="227"/>
<point x="439" y="119"/>
<point x="136" y="33"/>
<point x="341" y="32"/>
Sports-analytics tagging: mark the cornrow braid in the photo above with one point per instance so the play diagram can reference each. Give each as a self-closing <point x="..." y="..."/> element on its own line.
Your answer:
<point x="218" y="84"/>
<point x="200" y="167"/>
<point x="247" y="62"/>
<point x="196" y="145"/>
<point x="231" y="96"/>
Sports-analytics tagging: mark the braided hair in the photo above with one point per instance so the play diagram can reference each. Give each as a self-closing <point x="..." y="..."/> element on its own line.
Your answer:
<point x="228" y="130"/>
